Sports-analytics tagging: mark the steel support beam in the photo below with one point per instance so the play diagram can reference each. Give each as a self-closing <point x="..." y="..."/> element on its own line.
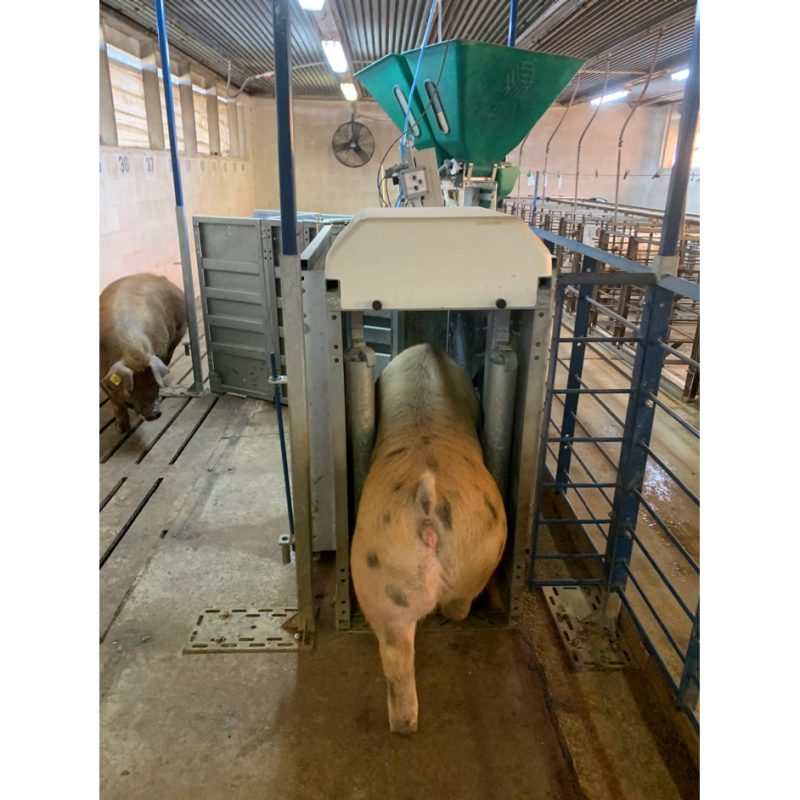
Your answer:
<point x="294" y="337"/>
<point x="180" y="211"/>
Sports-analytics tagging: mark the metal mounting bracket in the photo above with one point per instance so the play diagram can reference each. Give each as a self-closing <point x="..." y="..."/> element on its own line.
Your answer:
<point x="577" y="611"/>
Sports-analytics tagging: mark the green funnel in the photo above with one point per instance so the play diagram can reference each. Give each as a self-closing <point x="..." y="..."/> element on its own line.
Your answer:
<point x="489" y="96"/>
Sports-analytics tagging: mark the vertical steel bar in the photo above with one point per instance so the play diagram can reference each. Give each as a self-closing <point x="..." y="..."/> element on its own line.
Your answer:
<point x="581" y="328"/>
<point x="681" y="170"/>
<point x="639" y="418"/>
<point x="282" y="26"/>
<point x="512" y="24"/>
<point x="294" y="337"/>
<point x="284" y="458"/>
<point x="180" y="211"/>
<point x="558" y="312"/>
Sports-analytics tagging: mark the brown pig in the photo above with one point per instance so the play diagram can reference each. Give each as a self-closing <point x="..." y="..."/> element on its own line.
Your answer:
<point x="431" y="525"/>
<point x="142" y="321"/>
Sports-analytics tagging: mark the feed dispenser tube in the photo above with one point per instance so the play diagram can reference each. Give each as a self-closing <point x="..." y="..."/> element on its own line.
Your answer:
<point x="359" y="375"/>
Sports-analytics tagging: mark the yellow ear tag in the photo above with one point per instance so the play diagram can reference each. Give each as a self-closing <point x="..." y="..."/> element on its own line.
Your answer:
<point x="115" y="379"/>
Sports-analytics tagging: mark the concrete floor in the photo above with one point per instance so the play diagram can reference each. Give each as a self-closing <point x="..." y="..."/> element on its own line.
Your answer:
<point x="499" y="717"/>
<point x="309" y="724"/>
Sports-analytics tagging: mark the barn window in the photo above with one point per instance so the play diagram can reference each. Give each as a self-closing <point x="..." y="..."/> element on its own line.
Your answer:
<point x="201" y="119"/>
<point x="127" y="89"/>
<point x="176" y="102"/>
<point x="224" y="133"/>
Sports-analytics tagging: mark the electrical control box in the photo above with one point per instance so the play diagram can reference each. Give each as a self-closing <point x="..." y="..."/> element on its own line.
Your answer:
<point x="414" y="183"/>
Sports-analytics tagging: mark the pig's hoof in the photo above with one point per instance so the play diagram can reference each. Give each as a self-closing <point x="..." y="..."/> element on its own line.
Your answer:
<point x="123" y="427"/>
<point x="404" y="726"/>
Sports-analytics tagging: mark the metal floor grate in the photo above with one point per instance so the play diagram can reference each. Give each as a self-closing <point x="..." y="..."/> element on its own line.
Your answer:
<point x="242" y="630"/>
<point x="589" y="644"/>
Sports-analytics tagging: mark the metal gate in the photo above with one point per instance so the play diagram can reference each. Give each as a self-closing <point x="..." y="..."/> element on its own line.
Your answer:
<point x="237" y="288"/>
<point x="613" y="518"/>
<point x="240" y="289"/>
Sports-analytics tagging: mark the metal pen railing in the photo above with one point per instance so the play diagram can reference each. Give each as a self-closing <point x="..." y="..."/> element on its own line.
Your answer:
<point x="625" y="493"/>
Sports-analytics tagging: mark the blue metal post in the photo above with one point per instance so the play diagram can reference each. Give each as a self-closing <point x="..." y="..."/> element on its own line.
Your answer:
<point x="512" y="24"/>
<point x="282" y="32"/>
<point x="180" y="212"/>
<point x="279" y="409"/>
<point x="649" y="361"/>
<point x="535" y="196"/>
<point x="582" y="318"/>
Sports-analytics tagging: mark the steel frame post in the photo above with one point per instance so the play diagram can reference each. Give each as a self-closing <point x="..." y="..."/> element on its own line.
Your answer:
<point x="198" y="387"/>
<point x="581" y="328"/>
<point x="294" y="336"/>
<point x="512" y="24"/>
<point x="639" y="418"/>
<point x="558" y="311"/>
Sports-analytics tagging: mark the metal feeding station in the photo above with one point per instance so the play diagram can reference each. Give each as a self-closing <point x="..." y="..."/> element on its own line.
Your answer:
<point x="444" y="268"/>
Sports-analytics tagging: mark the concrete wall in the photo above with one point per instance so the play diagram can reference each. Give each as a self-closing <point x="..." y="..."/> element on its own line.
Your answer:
<point x="323" y="184"/>
<point x="137" y="208"/>
<point x="138" y="230"/>
<point x="641" y="154"/>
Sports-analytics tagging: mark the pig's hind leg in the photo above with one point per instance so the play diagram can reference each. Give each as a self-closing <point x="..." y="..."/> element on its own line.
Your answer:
<point x="393" y="601"/>
<point x="396" y="641"/>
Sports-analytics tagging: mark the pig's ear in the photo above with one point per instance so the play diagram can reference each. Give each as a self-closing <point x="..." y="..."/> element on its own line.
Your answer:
<point x="160" y="369"/>
<point x="118" y="382"/>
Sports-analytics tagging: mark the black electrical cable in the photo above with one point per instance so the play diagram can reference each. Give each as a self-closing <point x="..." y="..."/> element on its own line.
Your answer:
<point x="424" y="111"/>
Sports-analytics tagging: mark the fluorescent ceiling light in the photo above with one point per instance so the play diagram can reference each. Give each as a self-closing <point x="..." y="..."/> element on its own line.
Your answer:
<point x="334" y="52"/>
<point x="312" y="5"/>
<point x="349" y="91"/>
<point x="607" y="98"/>
<point x="680" y="76"/>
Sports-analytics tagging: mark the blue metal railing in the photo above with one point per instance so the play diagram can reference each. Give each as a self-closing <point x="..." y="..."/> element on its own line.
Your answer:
<point x="598" y="476"/>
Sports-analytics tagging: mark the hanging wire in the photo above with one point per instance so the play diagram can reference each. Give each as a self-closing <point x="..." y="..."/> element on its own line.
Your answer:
<point x="265" y="75"/>
<point x="633" y="111"/>
<point x="580" y="141"/>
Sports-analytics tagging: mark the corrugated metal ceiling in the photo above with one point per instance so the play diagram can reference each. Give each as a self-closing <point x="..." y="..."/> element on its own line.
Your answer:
<point x="213" y="33"/>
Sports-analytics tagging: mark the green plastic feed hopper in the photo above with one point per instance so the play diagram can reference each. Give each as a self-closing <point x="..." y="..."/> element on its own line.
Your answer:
<point x="489" y="96"/>
<point x="389" y="81"/>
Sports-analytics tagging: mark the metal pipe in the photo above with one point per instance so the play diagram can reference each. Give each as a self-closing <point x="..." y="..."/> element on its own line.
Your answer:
<point x="180" y="212"/>
<point x="284" y="459"/>
<point x="282" y="26"/>
<point x="359" y="373"/>
<point x="547" y="149"/>
<point x="498" y="419"/>
<point x="512" y="24"/>
<point x="589" y="124"/>
<point x="681" y="169"/>
<point x="633" y="111"/>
